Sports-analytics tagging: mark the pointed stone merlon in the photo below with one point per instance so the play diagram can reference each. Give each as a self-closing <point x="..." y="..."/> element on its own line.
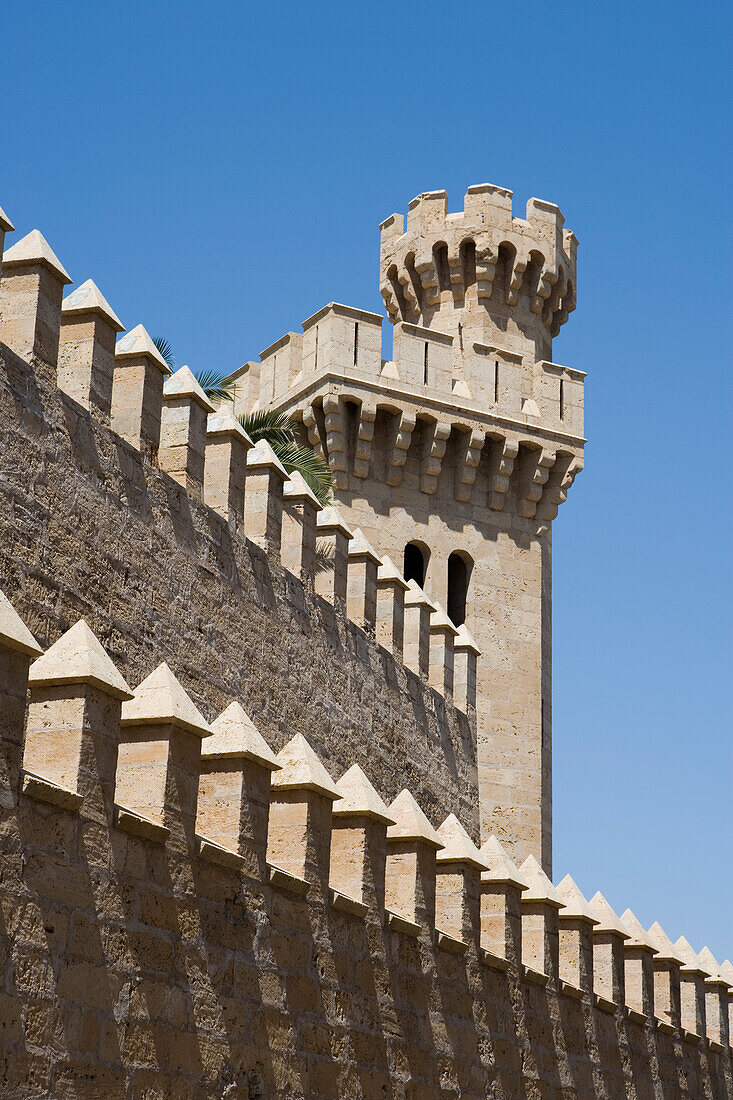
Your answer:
<point x="390" y="622"/>
<point x="412" y="843"/>
<point x="465" y="660"/>
<point x="263" y="500"/>
<point x="18" y="648"/>
<point x="458" y="883"/>
<point x="303" y="793"/>
<point x="575" y="931"/>
<point x="225" y="466"/>
<point x="692" y="989"/>
<point x="6" y="226"/>
<point x="234" y="788"/>
<point x="183" y="431"/>
<point x="160" y="756"/>
<point x="442" y="652"/>
<point x="361" y="597"/>
<point x="359" y="840"/>
<point x="501" y="909"/>
<point x="418" y="609"/>
<point x="300" y="516"/>
<point x="89" y="329"/>
<point x="73" y="728"/>
<point x="31" y="289"/>
<point x="638" y="965"/>
<point x="540" y="930"/>
<point x="717" y="989"/>
<point x="137" y="391"/>
<point x="609" y="936"/>
<point x="667" y="965"/>
<point x="333" y="583"/>
<point x="726" y="970"/>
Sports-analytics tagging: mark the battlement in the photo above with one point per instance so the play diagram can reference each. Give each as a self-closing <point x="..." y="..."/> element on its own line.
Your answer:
<point x="468" y="269"/>
<point x="136" y="449"/>
<point x="147" y="834"/>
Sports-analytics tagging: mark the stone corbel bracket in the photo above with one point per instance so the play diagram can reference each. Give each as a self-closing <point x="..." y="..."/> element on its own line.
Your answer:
<point x="336" y="439"/>
<point x="472" y="444"/>
<point x="501" y="465"/>
<point x="436" y="439"/>
<point x="405" y="428"/>
<point x="364" y="439"/>
<point x="534" y="471"/>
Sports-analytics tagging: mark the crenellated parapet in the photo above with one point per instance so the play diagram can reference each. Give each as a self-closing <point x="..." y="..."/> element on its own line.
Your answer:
<point x="370" y="418"/>
<point x="462" y="271"/>
<point x="194" y="838"/>
<point x="123" y="381"/>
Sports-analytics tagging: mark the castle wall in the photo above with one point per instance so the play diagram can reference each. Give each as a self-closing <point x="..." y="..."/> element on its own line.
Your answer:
<point x="140" y="961"/>
<point x="88" y="528"/>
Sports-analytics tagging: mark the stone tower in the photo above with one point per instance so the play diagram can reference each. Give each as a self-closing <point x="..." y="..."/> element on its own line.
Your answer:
<point x="454" y="455"/>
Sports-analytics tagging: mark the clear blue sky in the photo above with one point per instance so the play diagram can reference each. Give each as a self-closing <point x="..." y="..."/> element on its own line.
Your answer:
<point x="220" y="171"/>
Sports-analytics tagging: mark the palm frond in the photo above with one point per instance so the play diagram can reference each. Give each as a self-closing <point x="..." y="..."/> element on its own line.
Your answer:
<point x="314" y="470"/>
<point x="216" y="384"/>
<point x="325" y="556"/>
<point x="276" y="427"/>
<point x="166" y="350"/>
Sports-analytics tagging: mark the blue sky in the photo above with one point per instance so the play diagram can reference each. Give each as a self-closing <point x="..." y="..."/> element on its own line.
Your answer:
<point x="220" y="171"/>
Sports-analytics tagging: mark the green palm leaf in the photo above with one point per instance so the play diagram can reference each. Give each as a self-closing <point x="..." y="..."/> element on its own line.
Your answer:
<point x="216" y="384"/>
<point x="275" y="427"/>
<point x="166" y="351"/>
<point x="278" y="429"/>
<point x="314" y="470"/>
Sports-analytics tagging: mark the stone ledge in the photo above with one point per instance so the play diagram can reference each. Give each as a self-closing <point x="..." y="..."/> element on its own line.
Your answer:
<point x="283" y="880"/>
<point x="691" y="1036"/>
<point x="635" y="1015"/>
<point x="496" y="962"/>
<point x="446" y="942"/>
<point x="130" y="822"/>
<point x="215" y="853"/>
<point x="664" y="1026"/>
<point x="348" y="905"/>
<point x="43" y="790"/>
<point x="534" y="976"/>
<point x="605" y="1004"/>
<point x="571" y="990"/>
<point x="713" y="1044"/>
<point x="401" y="924"/>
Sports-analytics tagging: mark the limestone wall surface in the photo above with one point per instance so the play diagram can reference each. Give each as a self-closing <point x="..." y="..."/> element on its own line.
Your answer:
<point x="89" y="528"/>
<point x="324" y="945"/>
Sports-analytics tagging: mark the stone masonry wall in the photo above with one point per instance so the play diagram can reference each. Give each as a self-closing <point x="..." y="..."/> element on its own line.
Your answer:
<point x="88" y="528"/>
<point x="138" y="967"/>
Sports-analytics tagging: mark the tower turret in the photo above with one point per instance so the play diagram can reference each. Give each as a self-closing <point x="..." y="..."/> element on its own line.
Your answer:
<point x="480" y="274"/>
<point x="454" y="455"/>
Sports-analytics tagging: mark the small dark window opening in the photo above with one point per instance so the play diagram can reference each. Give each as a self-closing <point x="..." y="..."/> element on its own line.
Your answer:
<point x="562" y="399"/>
<point x="315" y="361"/>
<point x="458" y="577"/>
<point x="356" y="341"/>
<point x="496" y="381"/>
<point x="425" y="364"/>
<point x="414" y="564"/>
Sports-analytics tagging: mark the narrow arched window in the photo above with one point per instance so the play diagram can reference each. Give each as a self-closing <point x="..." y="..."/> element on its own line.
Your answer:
<point x="414" y="564"/>
<point x="459" y="575"/>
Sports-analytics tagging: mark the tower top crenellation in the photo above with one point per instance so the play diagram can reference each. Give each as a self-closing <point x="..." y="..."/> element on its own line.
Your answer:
<point x="480" y="269"/>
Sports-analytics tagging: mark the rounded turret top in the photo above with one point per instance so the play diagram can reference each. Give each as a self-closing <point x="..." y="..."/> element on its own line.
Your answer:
<point x="481" y="273"/>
